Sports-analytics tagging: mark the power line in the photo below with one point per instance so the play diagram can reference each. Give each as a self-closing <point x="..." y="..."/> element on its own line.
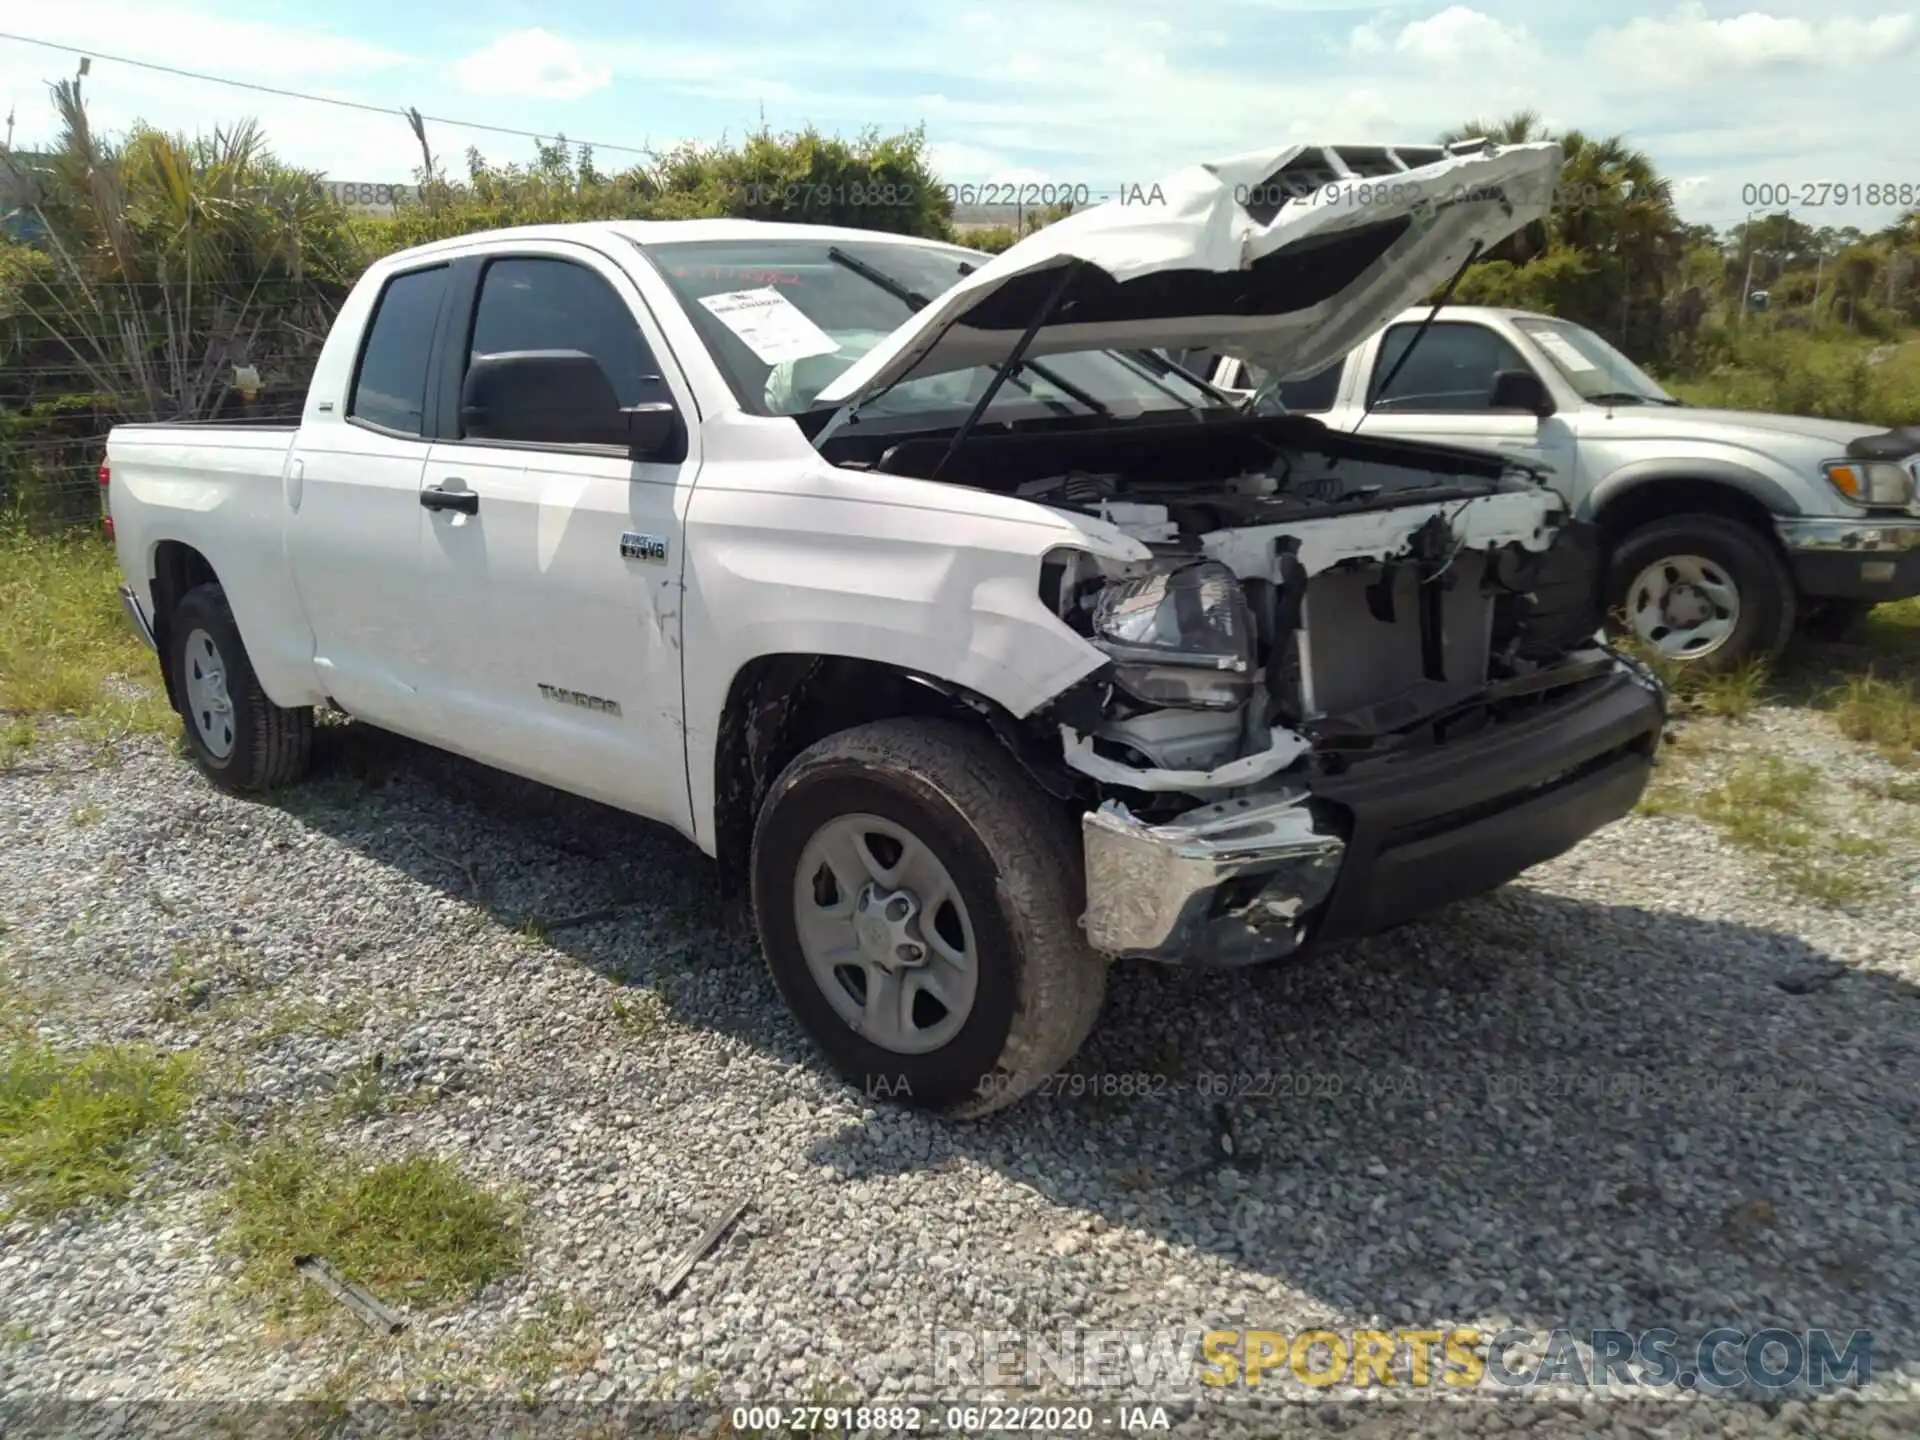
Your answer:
<point x="302" y="95"/>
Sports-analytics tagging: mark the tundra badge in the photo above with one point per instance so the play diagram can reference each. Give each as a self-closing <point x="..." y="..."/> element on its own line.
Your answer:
<point x="635" y="546"/>
<point x="580" y="698"/>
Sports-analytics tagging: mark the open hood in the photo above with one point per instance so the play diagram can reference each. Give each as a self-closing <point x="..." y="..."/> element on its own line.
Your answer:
<point x="1287" y="258"/>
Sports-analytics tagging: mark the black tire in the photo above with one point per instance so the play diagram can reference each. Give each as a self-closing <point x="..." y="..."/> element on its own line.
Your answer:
<point x="1833" y="619"/>
<point x="1014" y="856"/>
<point x="270" y="746"/>
<point x="1767" y="606"/>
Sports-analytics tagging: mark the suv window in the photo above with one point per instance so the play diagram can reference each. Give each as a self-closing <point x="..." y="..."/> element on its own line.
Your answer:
<point x="1452" y="369"/>
<point x="390" y="389"/>
<point x="537" y="304"/>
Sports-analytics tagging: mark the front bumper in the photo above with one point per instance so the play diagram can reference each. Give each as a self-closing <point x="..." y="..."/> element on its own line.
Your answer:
<point x="1392" y="837"/>
<point x="1869" y="558"/>
<point x="137" y="617"/>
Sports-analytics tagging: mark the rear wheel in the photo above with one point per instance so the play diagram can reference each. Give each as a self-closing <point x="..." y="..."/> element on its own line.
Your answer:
<point x="240" y="738"/>
<point x="1703" y="590"/>
<point x="917" y="897"/>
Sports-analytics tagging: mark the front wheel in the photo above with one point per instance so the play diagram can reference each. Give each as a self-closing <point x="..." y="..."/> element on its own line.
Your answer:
<point x="1704" y="591"/>
<point x="917" y="897"/>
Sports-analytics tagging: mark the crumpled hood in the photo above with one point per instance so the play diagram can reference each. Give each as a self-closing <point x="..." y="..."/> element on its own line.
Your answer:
<point x="1287" y="257"/>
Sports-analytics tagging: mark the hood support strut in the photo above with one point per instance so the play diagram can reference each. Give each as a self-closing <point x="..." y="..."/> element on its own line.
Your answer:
<point x="1068" y="273"/>
<point x="1393" y="373"/>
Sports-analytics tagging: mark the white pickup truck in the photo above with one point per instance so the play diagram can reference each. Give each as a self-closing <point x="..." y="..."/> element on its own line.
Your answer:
<point x="977" y="642"/>
<point x="1722" y="528"/>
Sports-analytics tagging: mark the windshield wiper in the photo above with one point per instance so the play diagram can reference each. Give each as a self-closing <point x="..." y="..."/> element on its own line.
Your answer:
<point x="1627" y="397"/>
<point x="915" y="301"/>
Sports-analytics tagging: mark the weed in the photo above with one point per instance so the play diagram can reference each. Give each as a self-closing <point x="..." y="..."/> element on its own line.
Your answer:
<point x="413" y="1231"/>
<point x="199" y="973"/>
<point x="1880" y="712"/>
<point x="556" y="1340"/>
<point x="17" y="737"/>
<point x="640" y="1013"/>
<point x="84" y="815"/>
<point x="73" y="1126"/>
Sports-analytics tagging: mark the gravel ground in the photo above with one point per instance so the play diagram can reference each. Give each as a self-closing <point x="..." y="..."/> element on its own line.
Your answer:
<point x="1643" y="1087"/>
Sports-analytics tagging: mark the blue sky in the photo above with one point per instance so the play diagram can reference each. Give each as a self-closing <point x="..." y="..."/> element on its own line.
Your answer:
<point x="1100" y="92"/>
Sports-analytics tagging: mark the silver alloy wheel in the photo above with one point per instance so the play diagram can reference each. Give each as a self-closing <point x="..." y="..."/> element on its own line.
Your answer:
<point x="1685" y="606"/>
<point x="885" y="933"/>
<point x="208" y="704"/>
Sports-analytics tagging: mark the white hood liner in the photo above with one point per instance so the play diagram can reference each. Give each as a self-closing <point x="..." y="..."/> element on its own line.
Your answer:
<point x="1184" y="262"/>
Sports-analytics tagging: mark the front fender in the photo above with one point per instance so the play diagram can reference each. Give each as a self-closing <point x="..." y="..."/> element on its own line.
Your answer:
<point x="926" y="578"/>
<point x="1763" y="488"/>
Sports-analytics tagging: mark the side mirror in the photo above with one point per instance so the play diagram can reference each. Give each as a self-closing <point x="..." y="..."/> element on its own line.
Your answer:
<point x="1521" y="390"/>
<point x="653" y="431"/>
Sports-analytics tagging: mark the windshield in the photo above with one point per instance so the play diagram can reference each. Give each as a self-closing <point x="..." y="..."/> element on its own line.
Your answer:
<point x="784" y="317"/>
<point x="1592" y="366"/>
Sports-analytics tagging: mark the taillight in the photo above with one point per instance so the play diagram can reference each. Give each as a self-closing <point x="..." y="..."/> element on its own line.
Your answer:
<point x="106" y="507"/>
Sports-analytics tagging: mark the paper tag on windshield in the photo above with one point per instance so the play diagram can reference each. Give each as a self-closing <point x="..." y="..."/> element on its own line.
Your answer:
<point x="771" y="325"/>
<point x="1560" y="349"/>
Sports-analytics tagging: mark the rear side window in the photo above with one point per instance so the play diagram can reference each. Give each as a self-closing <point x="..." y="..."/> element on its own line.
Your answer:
<point x="529" y="304"/>
<point x="391" y="388"/>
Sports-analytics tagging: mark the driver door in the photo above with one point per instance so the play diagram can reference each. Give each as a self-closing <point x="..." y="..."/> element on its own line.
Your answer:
<point x="550" y="622"/>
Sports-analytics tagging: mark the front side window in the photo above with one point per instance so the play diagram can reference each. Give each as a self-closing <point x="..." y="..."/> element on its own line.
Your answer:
<point x="1453" y="368"/>
<point x="390" y="387"/>
<point x="784" y="317"/>
<point x="540" y="304"/>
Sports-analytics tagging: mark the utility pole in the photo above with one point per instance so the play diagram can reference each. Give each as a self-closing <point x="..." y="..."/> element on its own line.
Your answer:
<point x="1819" y="265"/>
<point x="1746" y="285"/>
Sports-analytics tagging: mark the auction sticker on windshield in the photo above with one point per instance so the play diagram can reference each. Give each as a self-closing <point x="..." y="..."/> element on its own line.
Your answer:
<point x="771" y="325"/>
<point x="1561" y="349"/>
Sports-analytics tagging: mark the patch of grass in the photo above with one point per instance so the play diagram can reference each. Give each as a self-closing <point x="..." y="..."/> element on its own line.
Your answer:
<point x="1881" y="713"/>
<point x="1730" y="695"/>
<point x="202" y="974"/>
<point x="84" y="815"/>
<point x="1904" y="791"/>
<point x="1772" y="806"/>
<point x="1768" y="805"/>
<point x="17" y="738"/>
<point x="415" y="1232"/>
<point x="73" y="1127"/>
<point x="65" y="645"/>
<point x="311" y="1017"/>
<point x="556" y="1340"/>
<point x="16" y="1333"/>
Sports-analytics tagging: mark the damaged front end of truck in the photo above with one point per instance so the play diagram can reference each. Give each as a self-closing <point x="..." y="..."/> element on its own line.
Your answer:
<point x="1345" y="679"/>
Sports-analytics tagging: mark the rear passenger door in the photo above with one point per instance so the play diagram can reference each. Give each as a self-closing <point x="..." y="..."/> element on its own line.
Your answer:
<point x="552" y="610"/>
<point x="354" y="523"/>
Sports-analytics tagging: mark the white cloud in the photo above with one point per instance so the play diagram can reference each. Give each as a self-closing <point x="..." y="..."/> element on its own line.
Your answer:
<point x="1459" y="35"/>
<point x="534" y="63"/>
<point x="1692" y="46"/>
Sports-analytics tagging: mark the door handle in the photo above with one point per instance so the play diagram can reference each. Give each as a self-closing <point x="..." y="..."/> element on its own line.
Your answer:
<point x="465" y="501"/>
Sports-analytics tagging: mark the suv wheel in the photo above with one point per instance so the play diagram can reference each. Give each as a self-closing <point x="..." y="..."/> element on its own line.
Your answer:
<point x="240" y="738"/>
<point x="917" y="897"/>
<point x="1702" y="590"/>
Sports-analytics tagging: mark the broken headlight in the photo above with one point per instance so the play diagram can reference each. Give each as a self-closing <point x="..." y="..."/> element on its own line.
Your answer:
<point x="1181" y="637"/>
